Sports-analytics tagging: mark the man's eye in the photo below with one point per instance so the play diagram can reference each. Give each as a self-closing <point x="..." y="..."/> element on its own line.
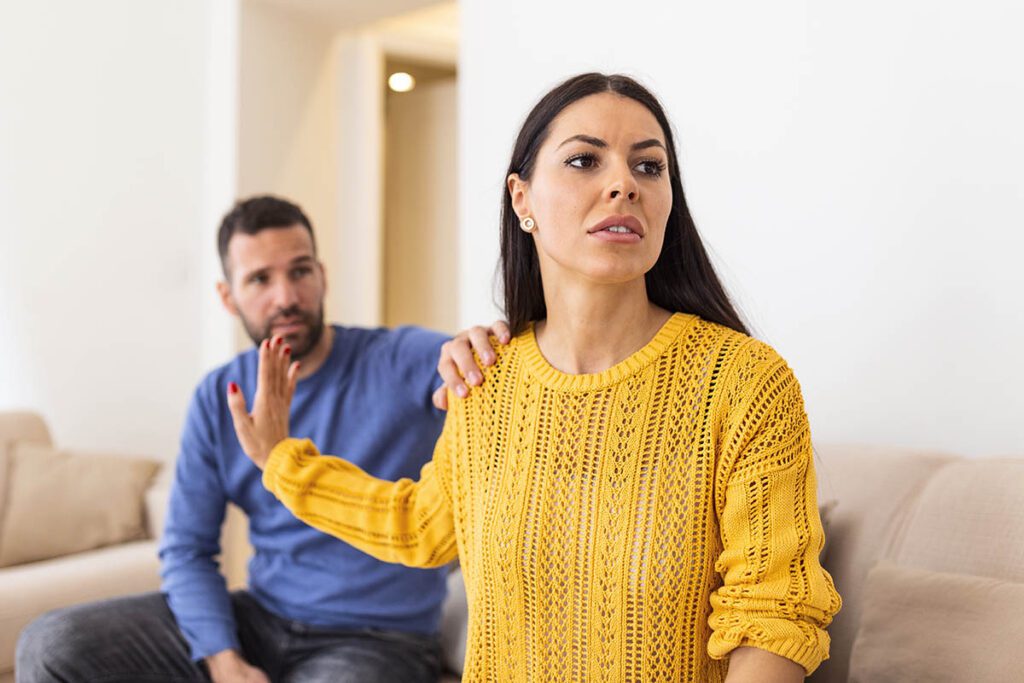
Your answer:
<point x="259" y="279"/>
<point x="581" y="161"/>
<point x="302" y="271"/>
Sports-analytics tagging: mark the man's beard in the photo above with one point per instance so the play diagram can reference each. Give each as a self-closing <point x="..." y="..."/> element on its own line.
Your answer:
<point x="301" y="343"/>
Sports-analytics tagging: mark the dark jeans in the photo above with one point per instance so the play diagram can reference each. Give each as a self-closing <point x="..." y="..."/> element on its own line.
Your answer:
<point x="136" y="640"/>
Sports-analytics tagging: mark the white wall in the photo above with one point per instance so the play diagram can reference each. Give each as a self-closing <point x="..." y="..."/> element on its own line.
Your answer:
<point x="287" y="123"/>
<point x="856" y="170"/>
<point x="112" y="150"/>
<point x="311" y="112"/>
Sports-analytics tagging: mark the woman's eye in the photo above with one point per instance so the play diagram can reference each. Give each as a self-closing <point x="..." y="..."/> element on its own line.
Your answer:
<point x="651" y="167"/>
<point x="581" y="161"/>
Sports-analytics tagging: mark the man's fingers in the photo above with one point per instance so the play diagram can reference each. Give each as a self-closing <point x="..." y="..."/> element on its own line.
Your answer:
<point x="461" y="354"/>
<point x="440" y="398"/>
<point x="501" y="330"/>
<point x="479" y="338"/>
<point x="450" y="374"/>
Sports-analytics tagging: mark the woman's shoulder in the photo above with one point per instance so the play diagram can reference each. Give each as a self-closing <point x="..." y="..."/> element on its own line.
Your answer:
<point x="736" y="353"/>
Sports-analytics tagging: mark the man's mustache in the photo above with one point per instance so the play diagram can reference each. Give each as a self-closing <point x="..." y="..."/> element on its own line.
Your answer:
<point x="290" y="312"/>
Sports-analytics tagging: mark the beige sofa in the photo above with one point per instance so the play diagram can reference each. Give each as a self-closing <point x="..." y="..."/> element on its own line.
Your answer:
<point x="950" y="600"/>
<point x="927" y="515"/>
<point x="921" y="512"/>
<point x="27" y="590"/>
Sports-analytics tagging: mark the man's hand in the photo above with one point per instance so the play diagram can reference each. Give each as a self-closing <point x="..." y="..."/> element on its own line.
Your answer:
<point x="227" y="666"/>
<point x="457" y="365"/>
<point x="258" y="432"/>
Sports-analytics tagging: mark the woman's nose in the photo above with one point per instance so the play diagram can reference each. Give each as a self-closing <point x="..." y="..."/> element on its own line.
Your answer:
<point x="624" y="185"/>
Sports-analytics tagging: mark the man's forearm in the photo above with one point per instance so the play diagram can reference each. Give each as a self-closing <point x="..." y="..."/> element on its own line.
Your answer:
<point x="752" y="665"/>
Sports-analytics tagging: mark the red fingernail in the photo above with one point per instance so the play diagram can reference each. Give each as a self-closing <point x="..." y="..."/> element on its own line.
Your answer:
<point x="287" y="350"/>
<point x="233" y="388"/>
<point x="298" y="364"/>
<point x="279" y="340"/>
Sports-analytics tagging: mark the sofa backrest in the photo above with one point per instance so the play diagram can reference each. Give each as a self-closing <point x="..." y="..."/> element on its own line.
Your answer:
<point x="969" y="519"/>
<point x="22" y="426"/>
<point x="874" y="489"/>
<point x="15" y="427"/>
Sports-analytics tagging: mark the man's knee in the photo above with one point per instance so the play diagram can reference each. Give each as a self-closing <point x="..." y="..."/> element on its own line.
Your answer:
<point x="44" y="643"/>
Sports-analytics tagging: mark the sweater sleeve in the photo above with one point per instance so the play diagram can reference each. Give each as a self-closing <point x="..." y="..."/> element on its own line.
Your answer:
<point x="775" y="594"/>
<point x="407" y="522"/>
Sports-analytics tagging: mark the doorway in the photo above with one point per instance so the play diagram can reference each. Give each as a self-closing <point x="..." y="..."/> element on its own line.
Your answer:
<point x="420" y="212"/>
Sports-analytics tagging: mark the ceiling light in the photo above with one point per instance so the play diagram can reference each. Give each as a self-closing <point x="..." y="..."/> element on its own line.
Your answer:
<point x="401" y="82"/>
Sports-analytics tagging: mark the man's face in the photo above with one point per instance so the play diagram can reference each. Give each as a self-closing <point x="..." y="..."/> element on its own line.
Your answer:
<point x="276" y="286"/>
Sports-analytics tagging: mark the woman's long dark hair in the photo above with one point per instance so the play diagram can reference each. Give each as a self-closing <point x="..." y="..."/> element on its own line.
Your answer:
<point x="681" y="280"/>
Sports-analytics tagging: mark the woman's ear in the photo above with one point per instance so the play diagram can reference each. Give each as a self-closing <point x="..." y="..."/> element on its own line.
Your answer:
<point x="517" y="189"/>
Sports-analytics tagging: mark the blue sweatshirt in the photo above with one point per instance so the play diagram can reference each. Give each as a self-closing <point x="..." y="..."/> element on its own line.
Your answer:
<point x="369" y="402"/>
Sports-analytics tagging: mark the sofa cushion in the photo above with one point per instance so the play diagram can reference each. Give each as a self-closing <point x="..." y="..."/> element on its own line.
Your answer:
<point x="969" y="519"/>
<point x="60" y="503"/>
<point x="4" y="468"/>
<point x="874" y="487"/>
<point x="920" y="625"/>
<point x="17" y="426"/>
<point x="29" y="590"/>
<point x="454" y="624"/>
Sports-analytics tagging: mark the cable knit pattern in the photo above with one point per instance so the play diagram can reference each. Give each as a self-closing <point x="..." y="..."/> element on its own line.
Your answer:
<point x="632" y="525"/>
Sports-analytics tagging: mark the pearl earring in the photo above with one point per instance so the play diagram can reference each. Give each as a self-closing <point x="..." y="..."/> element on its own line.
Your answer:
<point x="528" y="224"/>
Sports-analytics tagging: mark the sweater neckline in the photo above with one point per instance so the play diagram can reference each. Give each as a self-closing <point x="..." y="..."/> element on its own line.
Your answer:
<point x="554" y="378"/>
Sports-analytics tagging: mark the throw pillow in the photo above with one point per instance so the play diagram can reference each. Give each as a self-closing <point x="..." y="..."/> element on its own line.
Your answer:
<point x="4" y="460"/>
<point x="59" y="503"/>
<point x="919" y="625"/>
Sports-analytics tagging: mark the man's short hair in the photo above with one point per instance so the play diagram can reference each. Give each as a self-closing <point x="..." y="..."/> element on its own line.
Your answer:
<point x="250" y="216"/>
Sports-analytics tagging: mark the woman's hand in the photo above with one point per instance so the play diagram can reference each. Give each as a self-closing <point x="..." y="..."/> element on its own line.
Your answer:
<point x="258" y="432"/>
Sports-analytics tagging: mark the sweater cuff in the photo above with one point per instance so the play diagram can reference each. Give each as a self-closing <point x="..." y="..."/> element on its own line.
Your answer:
<point x="212" y="643"/>
<point x="807" y="655"/>
<point x="278" y="458"/>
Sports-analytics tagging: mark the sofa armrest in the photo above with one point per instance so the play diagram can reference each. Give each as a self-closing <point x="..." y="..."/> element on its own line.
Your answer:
<point x="234" y="540"/>
<point x="157" y="497"/>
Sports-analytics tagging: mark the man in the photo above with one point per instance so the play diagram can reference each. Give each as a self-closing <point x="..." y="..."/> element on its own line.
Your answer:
<point x="316" y="609"/>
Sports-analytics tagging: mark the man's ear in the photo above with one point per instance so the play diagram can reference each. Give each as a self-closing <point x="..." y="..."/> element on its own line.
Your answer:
<point x="323" y="273"/>
<point x="517" y="188"/>
<point x="226" y="300"/>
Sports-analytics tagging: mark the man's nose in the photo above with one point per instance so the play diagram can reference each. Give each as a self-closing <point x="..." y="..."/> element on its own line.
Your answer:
<point x="285" y="294"/>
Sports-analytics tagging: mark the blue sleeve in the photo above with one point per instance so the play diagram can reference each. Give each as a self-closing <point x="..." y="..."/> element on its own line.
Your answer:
<point x="413" y="358"/>
<point x="195" y="589"/>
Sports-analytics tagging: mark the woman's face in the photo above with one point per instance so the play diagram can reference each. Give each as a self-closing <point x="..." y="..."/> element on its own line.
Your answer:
<point x="600" y="192"/>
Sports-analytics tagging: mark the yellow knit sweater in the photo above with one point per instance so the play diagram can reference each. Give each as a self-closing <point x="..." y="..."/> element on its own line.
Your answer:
<point x="632" y="525"/>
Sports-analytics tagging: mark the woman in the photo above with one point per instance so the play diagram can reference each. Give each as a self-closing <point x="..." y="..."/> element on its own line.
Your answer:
<point x="631" y="492"/>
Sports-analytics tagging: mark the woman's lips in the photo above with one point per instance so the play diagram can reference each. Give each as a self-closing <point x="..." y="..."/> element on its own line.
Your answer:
<point x="616" y="237"/>
<point x="632" y="223"/>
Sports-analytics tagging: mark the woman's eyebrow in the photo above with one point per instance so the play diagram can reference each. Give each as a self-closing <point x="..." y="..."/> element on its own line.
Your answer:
<point x="590" y="140"/>
<point x="598" y="142"/>
<point x="652" y="142"/>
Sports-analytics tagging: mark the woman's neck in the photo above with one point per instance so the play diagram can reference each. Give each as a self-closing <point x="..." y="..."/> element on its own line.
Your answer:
<point x="589" y="328"/>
